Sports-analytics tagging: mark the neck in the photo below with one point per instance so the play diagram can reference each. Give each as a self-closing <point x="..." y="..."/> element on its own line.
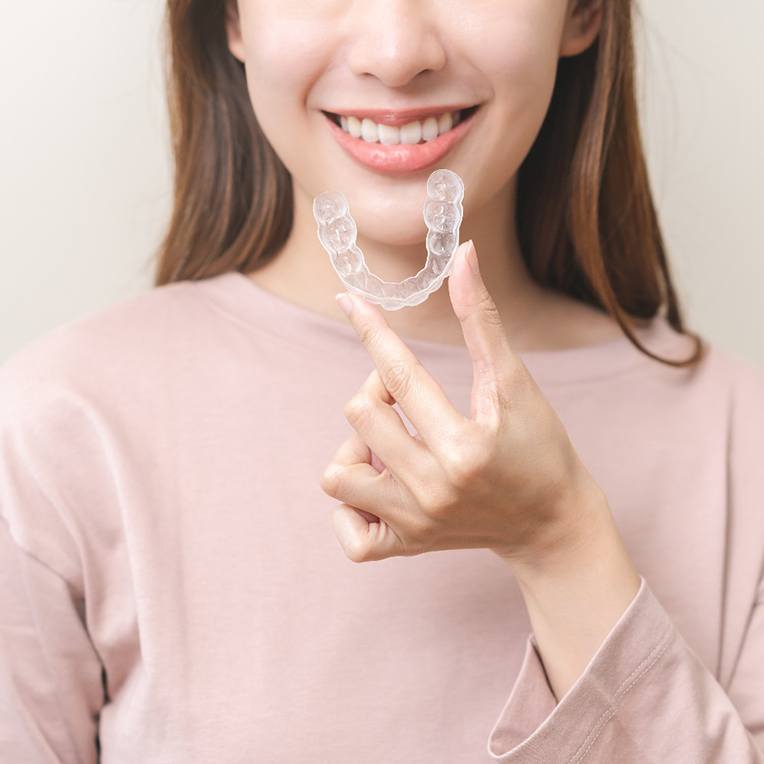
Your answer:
<point x="301" y="272"/>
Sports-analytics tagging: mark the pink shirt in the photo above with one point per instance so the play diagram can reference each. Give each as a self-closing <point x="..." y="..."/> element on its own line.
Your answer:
<point x="172" y="591"/>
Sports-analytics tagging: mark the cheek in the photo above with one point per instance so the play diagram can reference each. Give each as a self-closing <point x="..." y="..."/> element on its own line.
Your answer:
<point x="285" y="56"/>
<point x="522" y="68"/>
<point x="518" y="56"/>
<point x="282" y="51"/>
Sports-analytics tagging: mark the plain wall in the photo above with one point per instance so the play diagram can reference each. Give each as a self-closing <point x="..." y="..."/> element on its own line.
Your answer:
<point x="85" y="174"/>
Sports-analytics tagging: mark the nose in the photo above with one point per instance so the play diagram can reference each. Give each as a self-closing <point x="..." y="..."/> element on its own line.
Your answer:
<point x="395" y="40"/>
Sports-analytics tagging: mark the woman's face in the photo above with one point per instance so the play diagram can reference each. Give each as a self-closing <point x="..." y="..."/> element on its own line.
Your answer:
<point x="304" y="57"/>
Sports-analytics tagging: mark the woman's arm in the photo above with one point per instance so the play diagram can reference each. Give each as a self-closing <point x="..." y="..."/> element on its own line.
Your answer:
<point x="606" y="676"/>
<point x="50" y="674"/>
<point x="574" y="594"/>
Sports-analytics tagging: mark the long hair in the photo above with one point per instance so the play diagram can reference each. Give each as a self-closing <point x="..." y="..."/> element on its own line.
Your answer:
<point x="586" y="221"/>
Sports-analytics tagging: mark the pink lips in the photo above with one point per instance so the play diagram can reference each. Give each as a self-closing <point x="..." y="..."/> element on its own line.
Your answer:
<point x="401" y="157"/>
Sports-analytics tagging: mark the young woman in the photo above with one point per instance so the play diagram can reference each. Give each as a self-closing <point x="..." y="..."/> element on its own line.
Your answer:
<point x="520" y="522"/>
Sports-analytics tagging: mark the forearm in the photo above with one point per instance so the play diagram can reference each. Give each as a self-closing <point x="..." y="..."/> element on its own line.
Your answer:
<point x="576" y="592"/>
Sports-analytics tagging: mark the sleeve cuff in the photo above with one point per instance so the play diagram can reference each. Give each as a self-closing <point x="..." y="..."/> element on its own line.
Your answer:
<point x="534" y="728"/>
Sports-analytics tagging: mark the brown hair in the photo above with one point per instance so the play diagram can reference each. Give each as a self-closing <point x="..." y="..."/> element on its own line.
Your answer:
<point x="586" y="222"/>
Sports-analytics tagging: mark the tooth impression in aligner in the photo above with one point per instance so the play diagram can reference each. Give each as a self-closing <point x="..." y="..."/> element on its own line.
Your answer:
<point x="442" y="214"/>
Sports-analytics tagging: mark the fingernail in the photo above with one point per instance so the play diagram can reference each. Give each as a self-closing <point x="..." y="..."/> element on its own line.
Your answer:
<point x="472" y="258"/>
<point x="344" y="301"/>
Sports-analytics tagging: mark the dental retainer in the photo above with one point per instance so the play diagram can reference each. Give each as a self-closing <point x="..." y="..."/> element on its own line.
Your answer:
<point x="442" y="214"/>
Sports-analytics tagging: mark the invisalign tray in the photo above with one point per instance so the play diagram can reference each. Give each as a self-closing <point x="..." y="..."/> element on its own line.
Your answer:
<point x="442" y="215"/>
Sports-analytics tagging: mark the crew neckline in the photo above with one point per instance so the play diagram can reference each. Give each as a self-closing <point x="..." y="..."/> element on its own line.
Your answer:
<point x="240" y="297"/>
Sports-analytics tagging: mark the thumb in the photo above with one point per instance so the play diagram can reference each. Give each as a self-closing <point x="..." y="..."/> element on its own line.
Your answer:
<point x="493" y="360"/>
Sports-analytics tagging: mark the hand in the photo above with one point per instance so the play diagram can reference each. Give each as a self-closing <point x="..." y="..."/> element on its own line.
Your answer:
<point x="507" y="478"/>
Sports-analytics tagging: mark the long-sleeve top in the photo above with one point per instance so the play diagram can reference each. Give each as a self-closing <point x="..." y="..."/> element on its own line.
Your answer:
<point x="172" y="591"/>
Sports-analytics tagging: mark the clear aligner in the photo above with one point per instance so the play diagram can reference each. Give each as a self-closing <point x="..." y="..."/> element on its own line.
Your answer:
<point x="442" y="214"/>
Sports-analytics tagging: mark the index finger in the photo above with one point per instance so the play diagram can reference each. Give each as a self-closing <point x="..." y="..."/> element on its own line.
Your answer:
<point x="419" y="395"/>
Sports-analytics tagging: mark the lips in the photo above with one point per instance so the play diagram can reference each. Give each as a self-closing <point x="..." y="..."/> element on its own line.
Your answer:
<point x="391" y="159"/>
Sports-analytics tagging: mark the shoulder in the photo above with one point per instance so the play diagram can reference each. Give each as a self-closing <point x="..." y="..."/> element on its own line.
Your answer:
<point x="728" y="390"/>
<point x="744" y="383"/>
<point x="719" y="372"/>
<point x="68" y="400"/>
<point x="104" y="350"/>
<point x="738" y="377"/>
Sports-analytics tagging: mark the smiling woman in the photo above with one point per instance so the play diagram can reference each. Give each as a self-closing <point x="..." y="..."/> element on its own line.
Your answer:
<point x="241" y="521"/>
<point x="556" y="136"/>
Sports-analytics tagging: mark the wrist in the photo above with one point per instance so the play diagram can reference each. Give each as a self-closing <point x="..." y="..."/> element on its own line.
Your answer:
<point x="582" y="518"/>
<point x="574" y="593"/>
<point x="594" y="551"/>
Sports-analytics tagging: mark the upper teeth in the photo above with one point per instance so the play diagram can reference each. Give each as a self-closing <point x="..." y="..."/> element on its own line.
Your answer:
<point x="413" y="132"/>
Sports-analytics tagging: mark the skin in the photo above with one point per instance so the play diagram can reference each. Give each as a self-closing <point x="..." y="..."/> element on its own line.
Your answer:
<point x="507" y="477"/>
<point x="301" y="57"/>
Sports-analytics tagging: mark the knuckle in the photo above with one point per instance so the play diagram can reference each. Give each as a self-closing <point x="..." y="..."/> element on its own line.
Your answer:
<point x="436" y="502"/>
<point x="490" y="313"/>
<point x="369" y="334"/>
<point x="491" y="316"/>
<point x="466" y="464"/>
<point x="499" y="397"/>
<point x="462" y="474"/>
<point x="356" y="551"/>
<point x="330" y="480"/>
<point x="358" y="410"/>
<point x="398" y="380"/>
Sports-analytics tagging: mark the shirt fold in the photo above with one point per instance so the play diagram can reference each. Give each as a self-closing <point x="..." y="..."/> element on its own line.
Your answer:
<point x="644" y="696"/>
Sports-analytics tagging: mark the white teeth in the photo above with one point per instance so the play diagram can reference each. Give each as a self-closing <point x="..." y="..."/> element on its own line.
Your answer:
<point x="429" y="129"/>
<point x="354" y="127"/>
<point x="368" y="130"/>
<point x="411" y="133"/>
<point x="445" y="123"/>
<point x="388" y="134"/>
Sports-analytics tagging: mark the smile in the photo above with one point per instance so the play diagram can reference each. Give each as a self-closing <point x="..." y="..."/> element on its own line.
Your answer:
<point x="391" y="148"/>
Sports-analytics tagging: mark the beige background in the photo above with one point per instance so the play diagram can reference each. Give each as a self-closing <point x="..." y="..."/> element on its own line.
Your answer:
<point x="85" y="173"/>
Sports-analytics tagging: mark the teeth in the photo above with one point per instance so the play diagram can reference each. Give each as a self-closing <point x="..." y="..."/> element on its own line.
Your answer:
<point x="413" y="132"/>
<point x="354" y="126"/>
<point x="387" y="134"/>
<point x="446" y="122"/>
<point x="369" y="130"/>
<point x="430" y="129"/>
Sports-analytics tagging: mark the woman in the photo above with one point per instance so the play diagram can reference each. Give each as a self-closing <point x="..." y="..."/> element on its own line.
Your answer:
<point x="221" y="499"/>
